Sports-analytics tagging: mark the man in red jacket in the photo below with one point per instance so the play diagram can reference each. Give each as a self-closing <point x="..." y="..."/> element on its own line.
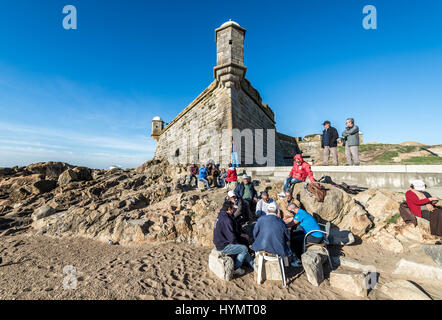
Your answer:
<point x="299" y="173"/>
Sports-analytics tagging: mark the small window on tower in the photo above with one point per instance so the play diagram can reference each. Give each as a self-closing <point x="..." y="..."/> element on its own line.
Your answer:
<point x="230" y="42"/>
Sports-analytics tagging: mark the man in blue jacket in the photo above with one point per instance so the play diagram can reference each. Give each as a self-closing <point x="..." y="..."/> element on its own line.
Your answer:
<point x="226" y="238"/>
<point x="271" y="234"/>
<point x="202" y="176"/>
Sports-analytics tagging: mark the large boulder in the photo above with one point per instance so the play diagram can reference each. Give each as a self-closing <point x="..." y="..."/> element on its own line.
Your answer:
<point x="399" y="236"/>
<point x="221" y="265"/>
<point x="380" y="203"/>
<point x="403" y="290"/>
<point x="353" y="282"/>
<point x="67" y="177"/>
<point x="418" y="270"/>
<point x="435" y="252"/>
<point x="50" y="170"/>
<point x="183" y="225"/>
<point x="338" y="208"/>
<point x="44" y="186"/>
<point x="43" y="212"/>
<point x="83" y="173"/>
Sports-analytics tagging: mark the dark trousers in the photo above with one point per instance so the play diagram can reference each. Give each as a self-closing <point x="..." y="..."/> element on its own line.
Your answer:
<point x="435" y="219"/>
<point x="297" y="241"/>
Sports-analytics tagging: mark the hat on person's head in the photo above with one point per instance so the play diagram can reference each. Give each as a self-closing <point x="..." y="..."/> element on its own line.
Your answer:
<point x="271" y="208"/>
<point x="245" y="176"/>
<point x="231" y="193"/>
<point x="326" y="122"/>
<point x="264" y="193"/>
<point x="418" y="185"/>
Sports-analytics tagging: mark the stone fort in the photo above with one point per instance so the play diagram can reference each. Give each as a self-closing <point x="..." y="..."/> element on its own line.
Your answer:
<point x="229" y="107"/>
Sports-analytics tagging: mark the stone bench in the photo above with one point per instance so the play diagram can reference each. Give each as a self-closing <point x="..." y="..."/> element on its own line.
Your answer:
<point x="312" y="262"/>
<point x="221" y="265"/>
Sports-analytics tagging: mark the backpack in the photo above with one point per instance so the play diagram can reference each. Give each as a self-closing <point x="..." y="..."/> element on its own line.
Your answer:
<point x="318" y="191"/>
<point x="406" y="214"/>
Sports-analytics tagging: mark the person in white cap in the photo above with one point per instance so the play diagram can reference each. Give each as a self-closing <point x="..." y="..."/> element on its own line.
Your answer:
<point x="272" y="236"/>
<point x="424" y="206"/>
<point x="241" y="211"/>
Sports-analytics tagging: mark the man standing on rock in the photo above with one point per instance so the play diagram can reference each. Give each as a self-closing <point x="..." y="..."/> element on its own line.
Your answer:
<point x="351" y="137"/>
<point x="329" y="143"/>
<point x="226" y="238"/>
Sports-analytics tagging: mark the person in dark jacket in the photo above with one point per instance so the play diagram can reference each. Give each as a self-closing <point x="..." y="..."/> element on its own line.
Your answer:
<point x="246" y="191"/>
<point x="193" y="174"/>
<point x="329" y="143"/>
<point x="226" y="238"/>
<point x="271" y="234"/>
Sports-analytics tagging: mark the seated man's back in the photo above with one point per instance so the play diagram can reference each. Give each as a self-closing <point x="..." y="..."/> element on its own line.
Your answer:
<point x="271" y="235"/>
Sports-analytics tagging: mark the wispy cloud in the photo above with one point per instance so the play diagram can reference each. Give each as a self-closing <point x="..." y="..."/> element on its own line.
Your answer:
<point x="58" y="120"/>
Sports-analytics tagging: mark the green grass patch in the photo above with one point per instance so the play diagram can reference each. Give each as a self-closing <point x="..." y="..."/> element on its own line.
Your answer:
<point x="387" y="157"/>
<point x="369" y="147"/>
<point x="394" y="218"/>
<point x="424" y="160"/>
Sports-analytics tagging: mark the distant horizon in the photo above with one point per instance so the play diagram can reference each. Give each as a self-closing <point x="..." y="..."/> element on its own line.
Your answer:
<point x="87" y="96"/>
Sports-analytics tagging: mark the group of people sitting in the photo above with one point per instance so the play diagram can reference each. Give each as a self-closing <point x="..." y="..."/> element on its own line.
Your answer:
<point x="245" y="221"/>
<point x="212" y="176"/>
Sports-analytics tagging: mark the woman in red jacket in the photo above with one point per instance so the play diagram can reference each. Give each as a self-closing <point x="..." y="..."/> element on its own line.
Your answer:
<point x="424" y="207"/>
<point x="232" y="176"/>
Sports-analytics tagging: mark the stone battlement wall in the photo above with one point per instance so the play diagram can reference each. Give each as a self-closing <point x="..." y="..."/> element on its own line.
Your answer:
<point x="391" y="177"/>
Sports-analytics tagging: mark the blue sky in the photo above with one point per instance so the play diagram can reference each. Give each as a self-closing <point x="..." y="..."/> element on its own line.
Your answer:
<point x="87" y="96"/>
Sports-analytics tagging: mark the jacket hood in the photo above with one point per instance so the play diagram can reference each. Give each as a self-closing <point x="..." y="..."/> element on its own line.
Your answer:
<point x="299" y="157"/>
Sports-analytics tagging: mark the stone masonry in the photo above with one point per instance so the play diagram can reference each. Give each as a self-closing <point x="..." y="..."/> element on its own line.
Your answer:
<point x="229" y="107"/>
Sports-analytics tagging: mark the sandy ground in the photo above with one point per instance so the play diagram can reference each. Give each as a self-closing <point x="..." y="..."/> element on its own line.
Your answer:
<point x="32" y="268"/>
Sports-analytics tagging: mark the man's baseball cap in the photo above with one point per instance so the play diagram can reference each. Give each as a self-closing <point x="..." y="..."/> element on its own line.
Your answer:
<point x="231" y="193"/>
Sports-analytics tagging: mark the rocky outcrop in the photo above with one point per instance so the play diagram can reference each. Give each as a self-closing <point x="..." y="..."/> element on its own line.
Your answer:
<point x="403" y="290"/>
<point x="380" y="204"/>
<point x="338" y="208"/>
<point x="418" y="270"/>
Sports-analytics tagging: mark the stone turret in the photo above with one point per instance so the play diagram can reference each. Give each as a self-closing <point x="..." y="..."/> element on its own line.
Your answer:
<point x="157" y="127"/>
<point x="230" y="69"/>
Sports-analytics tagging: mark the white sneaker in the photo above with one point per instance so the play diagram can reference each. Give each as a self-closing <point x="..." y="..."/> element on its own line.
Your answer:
<point x="239" y="272"/>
